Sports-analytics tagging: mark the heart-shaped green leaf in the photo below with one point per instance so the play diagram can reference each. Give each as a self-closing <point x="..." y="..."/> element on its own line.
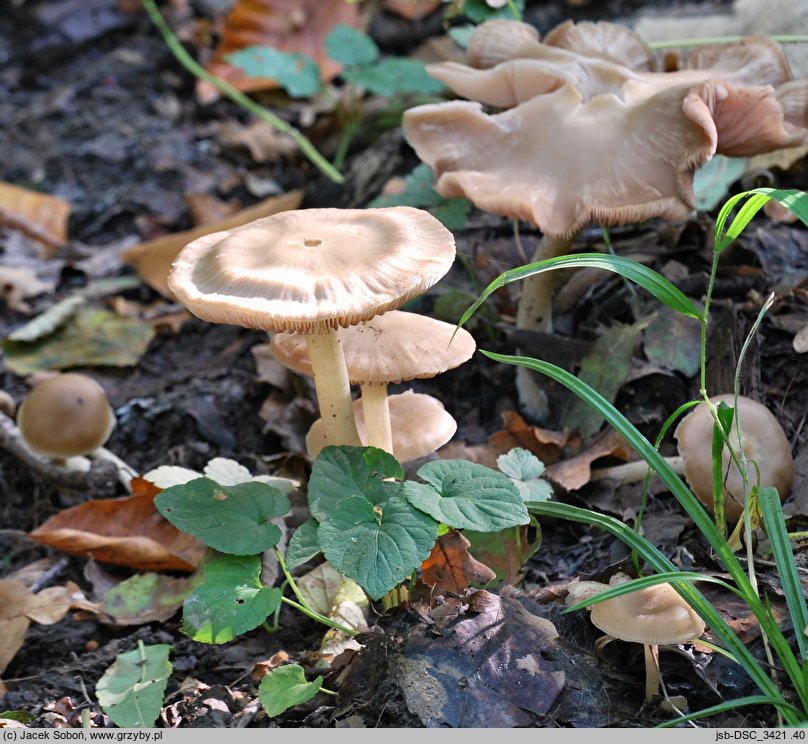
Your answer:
<point x="339" y="473"/>
<point x="467" y="495"/>
<point x="303" y="545"/>
<point x="230" y="601"/>
<point x="286" y="687"/>
<point x="378" y="544"/>
<point x="230" y="519"/>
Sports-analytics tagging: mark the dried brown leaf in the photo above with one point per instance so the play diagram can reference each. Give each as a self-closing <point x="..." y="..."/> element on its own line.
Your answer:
<point x="39" y="216"/>
<point x="545" y="444"/>
<point x="126" y="532"/>
<point x="295" y="26"/>
<point x="576" y="472"/>
<point x="451" y="568"/>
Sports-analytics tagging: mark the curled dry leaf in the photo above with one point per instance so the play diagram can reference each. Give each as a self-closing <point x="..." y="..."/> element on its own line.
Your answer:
<point x="126" y="532"/>
<point x="39" y="216"/>
<point x="153" y="259"/>
<point x="451" y="568"/>
<point x="293" y="26"/>
<point x="576" y="472"/>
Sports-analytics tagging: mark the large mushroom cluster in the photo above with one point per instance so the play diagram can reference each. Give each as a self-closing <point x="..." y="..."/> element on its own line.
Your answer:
<point x="327" y="284"/>
<point x="585" y="130"/>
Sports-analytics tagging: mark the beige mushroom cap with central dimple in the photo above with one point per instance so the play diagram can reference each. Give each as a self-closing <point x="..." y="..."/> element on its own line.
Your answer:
<point x="657" y="615"/>
<point x="390" y="348"/>
<point x="311" y="269"/>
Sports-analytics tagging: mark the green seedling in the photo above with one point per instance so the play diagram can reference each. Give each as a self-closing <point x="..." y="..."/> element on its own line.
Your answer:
<point x="787" y="691"/>
<point x="371" y="524"/>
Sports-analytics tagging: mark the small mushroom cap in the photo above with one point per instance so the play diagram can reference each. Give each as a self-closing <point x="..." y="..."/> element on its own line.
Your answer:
<point x="657" y="615"/>
<point x="391" y="348"/>
<point x="65" y="416"/>
<point x="764" y="441"/>
<point x="419" y="422"/>
<point x="311" y="269"/>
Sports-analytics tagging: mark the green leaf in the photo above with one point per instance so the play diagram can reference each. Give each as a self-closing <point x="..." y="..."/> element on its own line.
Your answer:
<point x="634" y="271"/>
<point x="230" y="601"/>
<point x="230" y="519"/>
<point x="303" y="545"/>
<point x="342" y="472"/>
<point x="394" y="75"/>
<point x="795" y="201"/>
<point x="775" y="524"/>
<point x="377" y="543"/>
<point x="478" y="11"/>
<point x="461" y="35"/>
<point x="467" y="495"/>
<point x="131" y="690"/>
<point x="520" y="464"/>
<point x="350" y="46"/>
<point x="91" y="338"/>
<point x="47" y="322"/>
<point x="296" y="73"/>
<point x="286" y="687"/>
<point x="711" y="182"/>
<point x="419" y="192"/>
<point x="525" y="469"/>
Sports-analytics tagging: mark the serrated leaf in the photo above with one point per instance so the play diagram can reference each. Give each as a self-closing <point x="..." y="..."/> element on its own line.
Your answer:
<point x="350" y="46"/>
<point x="377" y="543"/>
<point x="286" y="687"/>
<point x="534" y="490"/>
<point x="394" y="75"/>
<point x="520" y="464"/>
<point x="131" y="690"/>
<point x="303" y="545"/>
<point x="230" y="519"/>
<point x="339" y="473"/>
<point x="298" y="74"/>
<point x="467" y="495"/>
<point x="230" y="601"/>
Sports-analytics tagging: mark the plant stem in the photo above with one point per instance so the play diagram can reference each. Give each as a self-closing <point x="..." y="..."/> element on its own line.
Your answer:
<point x="190" y="64"/>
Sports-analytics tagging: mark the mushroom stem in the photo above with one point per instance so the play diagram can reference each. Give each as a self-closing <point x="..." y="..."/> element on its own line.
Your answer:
<point x="635" y="471"/>
<point x="333" y="387"/>
<point x="652" y="675"/>
<point x="376" y="410"/>
<point x="125" y="471"/>
<point x="535" y="313"/>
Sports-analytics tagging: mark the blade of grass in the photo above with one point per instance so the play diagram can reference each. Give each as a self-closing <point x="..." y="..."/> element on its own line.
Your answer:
<point x="775" y="524"/>
<point x="729" y="705"/>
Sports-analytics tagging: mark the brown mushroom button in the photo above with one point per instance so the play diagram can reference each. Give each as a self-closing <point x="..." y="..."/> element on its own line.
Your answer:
<point x="311" y="271"/>
<point x="66" y="416"/>
<point x="391" y="348"/>
<point x="764" y="441"/>
<point x="420" y="426"/>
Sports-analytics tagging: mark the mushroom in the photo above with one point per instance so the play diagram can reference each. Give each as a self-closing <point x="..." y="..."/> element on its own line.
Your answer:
<point x="311" y="271"/>
<point x="585" y="138"/>
<point x="420" y="426"/>
<point x="655" y="616"/>
<point x="391" y="348"/>
<point x="764" y="442"/>
<point x="68" y="416"/>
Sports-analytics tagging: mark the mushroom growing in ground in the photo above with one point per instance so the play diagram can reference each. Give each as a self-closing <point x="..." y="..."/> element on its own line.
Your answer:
<point x="67" y="417"/>
<point x="764" y="443"/>
<point x="311" y="271"/>
<point x="420" y="425"/>
<point x="584" y="138"/>
<point x="391" y="348"/>
<point x="654" y="616"/>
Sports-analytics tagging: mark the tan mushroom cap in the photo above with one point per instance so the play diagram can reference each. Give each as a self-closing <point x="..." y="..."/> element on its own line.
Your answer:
<point x="420" y="426"/>
<point x="310" y="269"/>
<point x="66" y="416"/>
<point x="764" y="442"/>
<point x="657" y="615"/>
<point x="390" y="348"/>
